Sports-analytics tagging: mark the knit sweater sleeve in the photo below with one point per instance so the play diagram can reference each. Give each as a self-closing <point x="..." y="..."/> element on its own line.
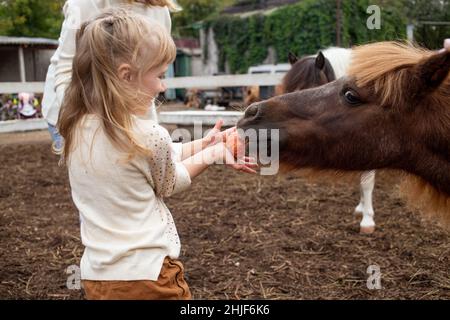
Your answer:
<point x="168" y="175"/>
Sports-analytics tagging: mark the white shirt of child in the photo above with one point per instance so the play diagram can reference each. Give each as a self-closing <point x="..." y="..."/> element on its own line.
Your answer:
<point x="59" y="72"/>
<point x="126" y="228"/>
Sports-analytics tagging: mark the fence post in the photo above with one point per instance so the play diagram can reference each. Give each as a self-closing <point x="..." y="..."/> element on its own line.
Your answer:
<point x="22" y="65"/>
<point x="410" y="32"/>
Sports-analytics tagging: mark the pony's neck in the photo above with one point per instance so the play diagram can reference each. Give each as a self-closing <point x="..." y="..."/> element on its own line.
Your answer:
<point x="433" y="169"/>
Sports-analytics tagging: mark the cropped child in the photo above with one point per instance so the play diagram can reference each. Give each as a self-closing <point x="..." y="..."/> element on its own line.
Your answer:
<point x="60" y="70"/>
<point x="121" y="164"/>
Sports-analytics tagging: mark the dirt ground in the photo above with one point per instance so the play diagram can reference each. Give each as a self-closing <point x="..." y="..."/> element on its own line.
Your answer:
<point x="243" y="237"/>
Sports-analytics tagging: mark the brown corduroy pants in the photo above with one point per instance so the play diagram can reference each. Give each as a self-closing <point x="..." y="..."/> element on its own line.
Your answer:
<point x="169" y="286"/>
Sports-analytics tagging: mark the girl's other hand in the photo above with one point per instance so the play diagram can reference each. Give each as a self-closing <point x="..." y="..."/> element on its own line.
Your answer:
<point x="216" y="135"/>
<point x="223" y="155"/>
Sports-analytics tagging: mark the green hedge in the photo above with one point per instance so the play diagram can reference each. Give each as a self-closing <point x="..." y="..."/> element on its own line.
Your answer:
<point x="302" y="28"/>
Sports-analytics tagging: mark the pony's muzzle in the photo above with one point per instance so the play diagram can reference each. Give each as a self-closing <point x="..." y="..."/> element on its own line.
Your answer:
<point x="251" y="111"/>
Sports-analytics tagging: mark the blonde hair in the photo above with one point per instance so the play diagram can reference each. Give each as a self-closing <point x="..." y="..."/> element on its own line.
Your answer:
<point x="160" y="3"/>
<point x="385" y="65"/>
<point x="114" y="37"/>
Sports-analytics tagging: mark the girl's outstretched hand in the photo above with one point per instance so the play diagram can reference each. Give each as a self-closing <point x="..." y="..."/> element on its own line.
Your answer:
<point x="229" y="149"/>
<point x="216" y="135"/>
<point x="241" y="162"/>
<point x="223" y="155"/>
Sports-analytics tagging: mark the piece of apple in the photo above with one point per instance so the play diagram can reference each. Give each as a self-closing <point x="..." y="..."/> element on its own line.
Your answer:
<point x="236" y="145"/>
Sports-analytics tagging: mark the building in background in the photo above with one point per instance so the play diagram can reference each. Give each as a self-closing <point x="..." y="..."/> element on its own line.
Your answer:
<point x="187" y="63"/>
<point x="241" y="9"/>
<point x="25" y="59"/>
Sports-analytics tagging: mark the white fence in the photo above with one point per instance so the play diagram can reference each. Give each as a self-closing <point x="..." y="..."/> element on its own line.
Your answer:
<point x="16" y="87"/>
<point x="172" y="83"/>
<point x="174" y="117"/>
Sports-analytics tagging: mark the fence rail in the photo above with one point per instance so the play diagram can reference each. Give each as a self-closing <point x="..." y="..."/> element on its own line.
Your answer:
<point x="16" y="87"/>
<point x="202" y="82"/>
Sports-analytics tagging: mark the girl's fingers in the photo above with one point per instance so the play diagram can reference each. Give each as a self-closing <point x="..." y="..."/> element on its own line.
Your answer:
<point x="209" y="140"/>
<point x="247" y="163"/>
<point x="252" y="165"/>
<point x="249" y="159"/>
<point x="229" y="131"/>
<point x="218" y="125"/>
<point x="221" y="135"/>
<point x="241" y="166"/>
<point x="246" y="169"/>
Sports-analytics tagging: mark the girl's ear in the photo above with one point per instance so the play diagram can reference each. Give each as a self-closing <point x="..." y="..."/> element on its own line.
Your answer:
<point x="124" y="72"/>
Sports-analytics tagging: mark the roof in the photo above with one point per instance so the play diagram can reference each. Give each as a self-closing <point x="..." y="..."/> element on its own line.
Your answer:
<point x="244" y="6"/>
<point x="27" y="41"/>
<point x="188" y="43"/>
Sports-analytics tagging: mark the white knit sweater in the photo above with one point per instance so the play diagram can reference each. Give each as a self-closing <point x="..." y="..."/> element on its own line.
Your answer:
<point x="126" y="228"/>
<point x="59" y="72"/>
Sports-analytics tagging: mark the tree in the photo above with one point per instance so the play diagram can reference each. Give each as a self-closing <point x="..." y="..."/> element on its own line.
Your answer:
<point x="423" y="13"/>
<point x="185" y="22"/>
<point x="31" y="18"/>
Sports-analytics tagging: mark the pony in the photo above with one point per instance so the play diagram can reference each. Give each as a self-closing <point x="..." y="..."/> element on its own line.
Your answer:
<point x="192" y="99"/>
<point x="391" y="111"/>
<point x="251" y="95"/>
<point x="313" y="71"/>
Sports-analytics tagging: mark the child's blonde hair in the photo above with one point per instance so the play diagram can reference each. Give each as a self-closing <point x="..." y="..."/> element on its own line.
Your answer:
<point x="115" y="37"/>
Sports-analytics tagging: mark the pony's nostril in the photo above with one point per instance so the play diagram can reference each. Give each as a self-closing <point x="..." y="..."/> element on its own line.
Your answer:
<point x="251" y="111"/>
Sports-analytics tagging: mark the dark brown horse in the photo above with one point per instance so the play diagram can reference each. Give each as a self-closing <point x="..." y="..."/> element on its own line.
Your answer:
<point x="392" y="111"/>
<point x="307" y="72"/>
<point x="314" y="71"/>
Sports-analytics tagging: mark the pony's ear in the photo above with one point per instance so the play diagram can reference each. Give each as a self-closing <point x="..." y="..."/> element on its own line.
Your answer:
<point x="292" y="58"/>
<point x="320" y="61"/>
<point x="431" y="72"/>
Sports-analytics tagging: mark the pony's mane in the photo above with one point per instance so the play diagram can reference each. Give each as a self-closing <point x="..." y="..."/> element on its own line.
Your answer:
<point x="339" y="59"/>
<point x="424" y="197"/>
<point x="384" y="66"/>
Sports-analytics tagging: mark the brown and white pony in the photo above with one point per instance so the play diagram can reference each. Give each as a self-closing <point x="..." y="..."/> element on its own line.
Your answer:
<point x="392" y="111"/>
<point x="314" y="71"/>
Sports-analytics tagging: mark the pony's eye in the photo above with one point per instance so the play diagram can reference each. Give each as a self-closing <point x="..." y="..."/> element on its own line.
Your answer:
<point x="351" y="97"/>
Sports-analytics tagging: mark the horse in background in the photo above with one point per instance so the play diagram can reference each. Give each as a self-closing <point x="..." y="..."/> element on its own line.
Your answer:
<point x="251" y="95"/>
<point x="313" y="71"/>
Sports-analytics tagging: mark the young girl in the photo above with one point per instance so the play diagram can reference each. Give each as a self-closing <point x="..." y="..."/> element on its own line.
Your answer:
<point x="60" y="69"/>
<point x="120" y="163"/>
